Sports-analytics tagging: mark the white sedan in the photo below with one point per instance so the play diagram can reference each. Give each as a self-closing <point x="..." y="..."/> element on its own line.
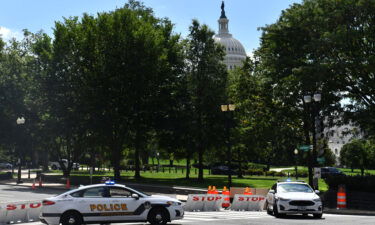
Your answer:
<point x="293" y="198"/>
<point x="109" y="203"/>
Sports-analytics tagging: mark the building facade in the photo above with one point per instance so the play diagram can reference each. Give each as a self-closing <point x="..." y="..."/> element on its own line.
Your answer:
<point x="235" y="52"/>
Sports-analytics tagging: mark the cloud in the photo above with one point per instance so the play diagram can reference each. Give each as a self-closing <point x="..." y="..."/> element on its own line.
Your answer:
<point x="7" y="34"/>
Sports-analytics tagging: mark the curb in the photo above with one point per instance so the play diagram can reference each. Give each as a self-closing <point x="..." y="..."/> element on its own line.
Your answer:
<point x="349" y="212"/>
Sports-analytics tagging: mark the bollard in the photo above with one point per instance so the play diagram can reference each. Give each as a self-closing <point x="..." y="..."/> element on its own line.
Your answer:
<point x="341" y="197"/>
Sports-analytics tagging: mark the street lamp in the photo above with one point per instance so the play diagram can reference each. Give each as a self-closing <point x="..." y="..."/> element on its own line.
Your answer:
<point x="19" y="121"/>
<point x="296" y="156"/>
<point x="312" y="100"/>
<point x="229" y="108"/>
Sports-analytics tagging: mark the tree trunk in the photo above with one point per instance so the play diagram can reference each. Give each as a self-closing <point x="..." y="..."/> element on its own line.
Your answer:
<point x="116" y="157"/>
<point x="137" y="173"/>
<point x="188" y="166"/>
<point x="200" y="163"/>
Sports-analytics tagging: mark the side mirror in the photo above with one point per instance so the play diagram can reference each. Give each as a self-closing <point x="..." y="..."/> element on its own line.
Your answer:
<point x="317" y="191"/>
<point x="136" y="196"/>
<point x="271" y="191"/>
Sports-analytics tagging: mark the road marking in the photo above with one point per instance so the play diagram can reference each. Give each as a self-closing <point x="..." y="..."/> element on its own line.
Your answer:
<point x="196" y="217"/>
<point x="4" y="195"/>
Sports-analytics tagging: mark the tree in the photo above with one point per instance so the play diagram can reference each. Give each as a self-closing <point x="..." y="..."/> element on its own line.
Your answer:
<point x="356" y="154"/>
<point x="267" y="134"/>
<point x="316" y="47"/>
<point x="111" y="74"/>
<point x="206" y="77"/>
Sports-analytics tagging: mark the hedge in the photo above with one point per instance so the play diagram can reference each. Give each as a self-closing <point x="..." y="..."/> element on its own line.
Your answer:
<point x="352" y="183"/>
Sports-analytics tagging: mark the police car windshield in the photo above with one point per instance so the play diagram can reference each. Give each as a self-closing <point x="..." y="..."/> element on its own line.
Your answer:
<point x="284" y="188"/>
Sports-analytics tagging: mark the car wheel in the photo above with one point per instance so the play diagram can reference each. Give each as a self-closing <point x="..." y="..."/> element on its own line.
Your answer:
<point x="158" y="216"/>
<point x="318" y="216"/>
<point x="54" y="167"/>
<point x="276" y="211"/>
<point x="71" y="218"/>
<point x="269" y="212"/>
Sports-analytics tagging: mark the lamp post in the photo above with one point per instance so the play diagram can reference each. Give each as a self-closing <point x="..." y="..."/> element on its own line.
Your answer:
<point x="157" y="158"/>
<point x="19" y="121"/>
<point x="296" y="155"/>
<point x="229" y="109"/>
<point x="313" y="111"/>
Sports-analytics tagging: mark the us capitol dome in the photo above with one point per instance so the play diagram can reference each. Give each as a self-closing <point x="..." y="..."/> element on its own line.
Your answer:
<point x="235" y="52"/>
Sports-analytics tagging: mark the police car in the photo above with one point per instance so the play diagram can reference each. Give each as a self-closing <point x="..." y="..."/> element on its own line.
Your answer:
<point x="293" y="198"/>
<point x="109" y="203"/>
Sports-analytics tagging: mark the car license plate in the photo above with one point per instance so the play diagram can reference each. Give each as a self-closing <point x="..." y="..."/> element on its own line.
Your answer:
<point x="301" y="207"/>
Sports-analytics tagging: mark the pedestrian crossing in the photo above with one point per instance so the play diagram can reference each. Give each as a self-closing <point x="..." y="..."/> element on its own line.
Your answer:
<point x="199" y="217"/>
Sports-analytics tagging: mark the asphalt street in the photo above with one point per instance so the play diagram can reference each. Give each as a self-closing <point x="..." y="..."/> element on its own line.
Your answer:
<point x="259" y="218"/>
<point x="9" y="193"/>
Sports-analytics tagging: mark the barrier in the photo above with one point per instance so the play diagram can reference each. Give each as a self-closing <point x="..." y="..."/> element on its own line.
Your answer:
<point x="203" y="202"/>
<point x="226" y="198"/>
<point x="248" y="203"/>
<point x="209" y="191"/>
<point x="341" y="198"/>
<point x="247" y="191"/>
<point x="20" y="212"/>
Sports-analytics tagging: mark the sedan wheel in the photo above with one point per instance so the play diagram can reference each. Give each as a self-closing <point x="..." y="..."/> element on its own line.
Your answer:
<point x="269" y="211"/>
<point x="158" y="216"/>
<point x="318" y="216"/>
<point x="276" y="212"/>
<point x="71" y="218"/>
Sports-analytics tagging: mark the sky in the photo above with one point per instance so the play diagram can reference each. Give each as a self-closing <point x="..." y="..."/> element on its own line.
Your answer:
<point x="245" y="16"/>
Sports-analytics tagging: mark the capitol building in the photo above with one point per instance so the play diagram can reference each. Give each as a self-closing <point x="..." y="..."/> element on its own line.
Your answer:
<point x="235" y="52"/>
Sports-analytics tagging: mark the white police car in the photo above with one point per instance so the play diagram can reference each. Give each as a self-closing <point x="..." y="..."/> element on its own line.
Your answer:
<point x="293" y="198"/>
<point x="109" y="203"/>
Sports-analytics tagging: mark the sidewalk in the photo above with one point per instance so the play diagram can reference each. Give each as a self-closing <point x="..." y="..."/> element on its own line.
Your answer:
<point x="354" y="212"/>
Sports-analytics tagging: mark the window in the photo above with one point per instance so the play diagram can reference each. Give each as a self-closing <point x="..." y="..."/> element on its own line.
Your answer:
<point x="294" y="188"/>
<point x="336" y="151"/>
<point x="116" y="192"/>
<point x="96" y="192"/>
<point x="77" y="194"/>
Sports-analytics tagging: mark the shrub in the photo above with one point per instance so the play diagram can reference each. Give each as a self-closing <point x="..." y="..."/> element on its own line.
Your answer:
<point x="255" y="166"/>
<point x="352" y="183"/>
<point x="257" y="172"/>
<point x="300" y="174"/>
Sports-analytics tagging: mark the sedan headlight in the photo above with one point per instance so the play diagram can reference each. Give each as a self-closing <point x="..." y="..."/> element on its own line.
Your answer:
<point x="173" y="203"/>
<point x="317" y="199"/>
<point x="284" y="199"/>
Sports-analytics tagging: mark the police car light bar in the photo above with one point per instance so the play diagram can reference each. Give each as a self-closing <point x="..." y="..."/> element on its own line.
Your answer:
<point x="110" y="182"/>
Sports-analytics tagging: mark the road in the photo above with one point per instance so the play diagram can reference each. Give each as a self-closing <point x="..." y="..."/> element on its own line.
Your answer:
<point x="259" y="218"/>
<point x="10" y="193"/>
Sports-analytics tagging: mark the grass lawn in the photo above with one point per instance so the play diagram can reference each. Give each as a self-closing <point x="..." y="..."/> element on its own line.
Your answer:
<point x="178" y="179"/>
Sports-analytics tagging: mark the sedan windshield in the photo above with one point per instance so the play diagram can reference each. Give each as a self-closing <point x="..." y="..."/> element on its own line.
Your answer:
<point x="282" y="188"/>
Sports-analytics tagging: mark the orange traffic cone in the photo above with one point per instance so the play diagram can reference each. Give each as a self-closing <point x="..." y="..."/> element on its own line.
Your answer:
<point x="341" y="198"/>
<point x="214" y="191"/>
<point x="226" y="196"/>
<point x="68" y="183"/>
<point x="33" y="186"/>
<point x="209" y="191"/>
<point x="247" y="191"/>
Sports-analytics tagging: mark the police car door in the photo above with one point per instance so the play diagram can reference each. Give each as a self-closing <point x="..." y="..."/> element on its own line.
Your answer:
<point x="126" y="207"/>
<point x="94" y="204"/>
